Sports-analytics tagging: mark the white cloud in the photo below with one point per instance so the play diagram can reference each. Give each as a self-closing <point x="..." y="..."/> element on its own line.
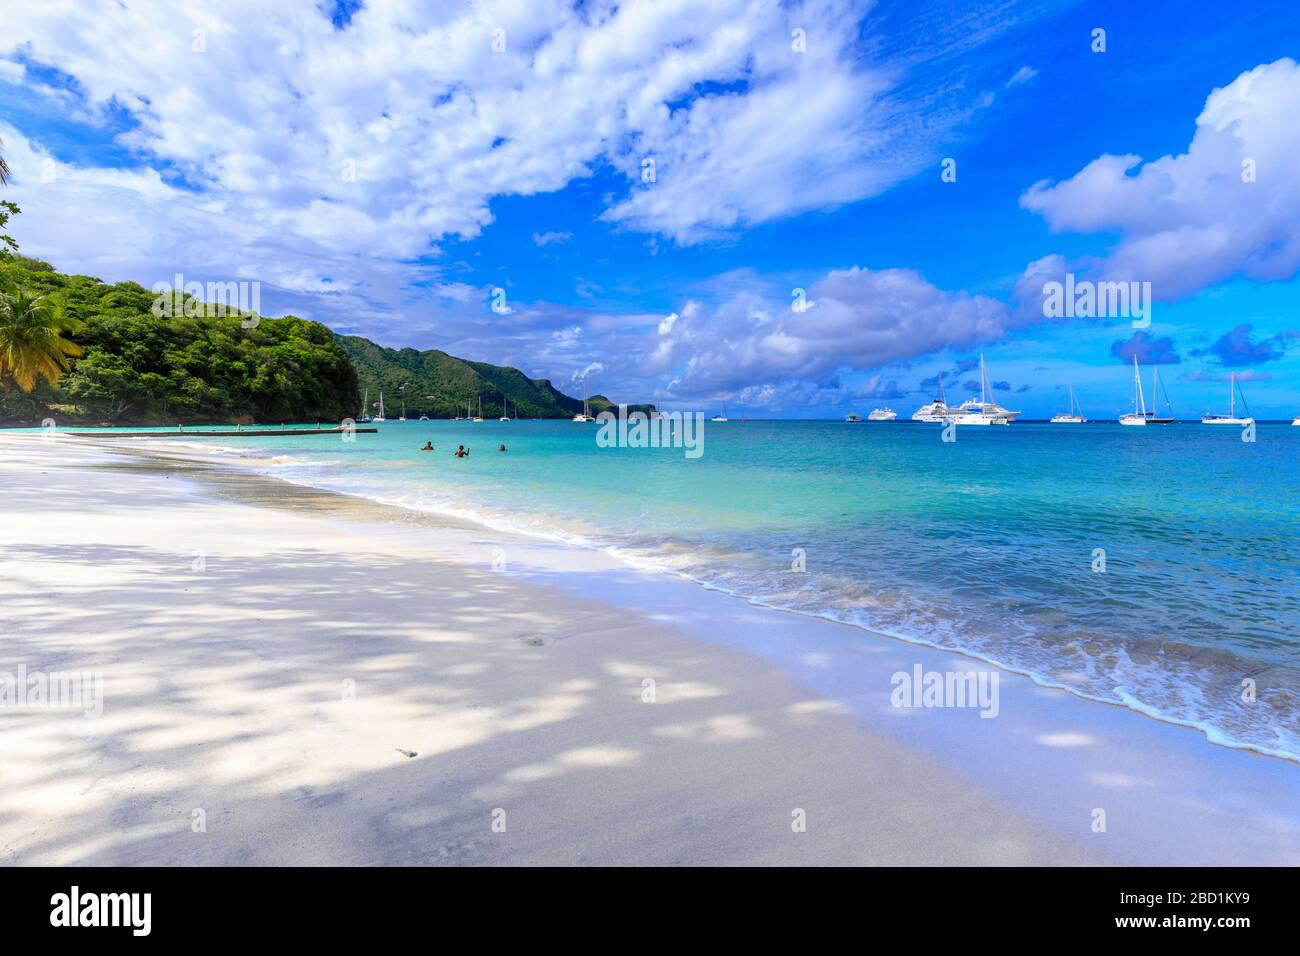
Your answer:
<point x="1192" y="220"/>
<point x="1022" y="75"/>
<point x="542" y="239"/>
<point x="865" y="319"/>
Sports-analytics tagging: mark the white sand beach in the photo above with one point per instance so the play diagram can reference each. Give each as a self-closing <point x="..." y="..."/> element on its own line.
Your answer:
<point x="292" y="677"/>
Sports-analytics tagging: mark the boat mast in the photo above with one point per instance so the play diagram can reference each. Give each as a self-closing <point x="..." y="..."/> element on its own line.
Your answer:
<point x="1140" y="402"/>
<point x="1232" y="394"/>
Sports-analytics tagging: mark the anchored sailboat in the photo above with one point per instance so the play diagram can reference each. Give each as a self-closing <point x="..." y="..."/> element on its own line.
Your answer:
<point x="1140" y="415"/>
<point x="1071" y="417"/>
<point x="505" y="409"/>
<point x="983" y="412"/>
<point x="380" y="417"/>
<point x="1231" y="418"/>
<point x="722" y="417"/>
<point x="585" y="414"/>
<point x="479" y="416"/>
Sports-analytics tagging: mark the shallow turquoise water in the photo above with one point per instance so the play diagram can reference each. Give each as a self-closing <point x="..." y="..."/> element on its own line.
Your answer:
<point x="986" y="544"/>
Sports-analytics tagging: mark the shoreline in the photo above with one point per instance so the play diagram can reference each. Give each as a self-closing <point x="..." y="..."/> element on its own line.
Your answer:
<point x="1038" y="772"/>
<point x="584" y="541"/>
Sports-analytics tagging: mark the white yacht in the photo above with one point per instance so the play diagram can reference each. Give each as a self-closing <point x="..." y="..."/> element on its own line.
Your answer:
<point x="424" y="418"/>
<point x="402" y="418"/>
<point x="937" y="411"/>
<point x="585" y="414"/>
<point x="1074" y="416"/>
<point x="479" y="416"/>
<point x="1140" y="415"/>
<point x="1231" y="418"/>
<point x="505" y="409"/>
<point x="380" y="417"/>
<point x="983" y="412"/>
<point x="882" y="415"/>
<point x="1296" y="422"/>
<point x="722" y="417"/>
<point x="852" y="418"/>
<point x="365" y="409"/>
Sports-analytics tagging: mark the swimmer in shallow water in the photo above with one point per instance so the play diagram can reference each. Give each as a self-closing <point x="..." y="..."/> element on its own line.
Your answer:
<point x="460" y="451"/>
<point x="502" y="448"/>
<point x="428" y="446"/>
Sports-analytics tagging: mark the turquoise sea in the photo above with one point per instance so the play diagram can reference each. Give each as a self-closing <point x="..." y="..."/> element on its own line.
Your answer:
<point x="992" y="544"/>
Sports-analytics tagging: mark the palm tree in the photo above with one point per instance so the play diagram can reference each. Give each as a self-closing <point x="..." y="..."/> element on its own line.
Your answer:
<point x="4" y="168"/>
<point x="32" y="345"/>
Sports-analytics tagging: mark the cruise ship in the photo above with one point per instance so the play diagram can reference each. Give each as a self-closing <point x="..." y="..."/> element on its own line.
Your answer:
<point x="882" y="415"/>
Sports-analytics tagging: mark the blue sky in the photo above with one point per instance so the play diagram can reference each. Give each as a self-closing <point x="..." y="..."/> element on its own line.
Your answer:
<point x="502" y="146"/>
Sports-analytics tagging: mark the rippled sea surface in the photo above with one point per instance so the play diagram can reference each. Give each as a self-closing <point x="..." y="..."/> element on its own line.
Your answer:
<point x="1155" y="567"/>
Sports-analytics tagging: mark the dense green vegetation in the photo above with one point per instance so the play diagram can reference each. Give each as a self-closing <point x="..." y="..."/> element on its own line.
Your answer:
<point x="140" y="368"/>
<point x="439" y="385"/>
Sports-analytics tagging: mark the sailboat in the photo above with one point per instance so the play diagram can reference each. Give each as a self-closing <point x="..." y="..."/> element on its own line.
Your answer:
<point x="505" y="409"/>
<point x="983" y="412"/>
<point x="380" y="416"/>
<point x="479" y="416"/>
<point x="1071" y="417"/>
<point x="365" y="409"/>
<point x="722" y="417"/>
<point x="936" y="411"/>
<point x="585" y="414"/>
<point x="402" y="418"/>
<point x="1231" y="418"/>
<point x="1140" y="415"/>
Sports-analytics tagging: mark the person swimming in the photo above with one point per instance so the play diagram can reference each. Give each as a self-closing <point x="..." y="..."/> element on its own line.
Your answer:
<point x="428" y="446"/>
<point x="460" y="451"/>
<point x="502" y="448"/>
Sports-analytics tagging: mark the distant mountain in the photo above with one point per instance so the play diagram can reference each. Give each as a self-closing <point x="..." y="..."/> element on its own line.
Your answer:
<point x="439" y="385"/>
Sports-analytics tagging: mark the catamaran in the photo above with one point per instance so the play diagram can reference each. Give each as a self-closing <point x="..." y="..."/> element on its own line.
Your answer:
<point x="722" y="417"/>
<point x="983" y="412"/>
<point x="1072" y="417"/>
<point x="882" y="415"/>
<point x="937" y="411"/>
<point x="1231" y="418"/>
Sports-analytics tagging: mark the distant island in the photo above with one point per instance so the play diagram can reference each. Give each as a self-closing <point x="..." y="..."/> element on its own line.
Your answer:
<point x="200" y="365"/>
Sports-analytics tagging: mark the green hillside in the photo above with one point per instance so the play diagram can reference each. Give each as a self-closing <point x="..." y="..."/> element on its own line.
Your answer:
<point x="141" y="368"/>
<point x="439" y="385"/>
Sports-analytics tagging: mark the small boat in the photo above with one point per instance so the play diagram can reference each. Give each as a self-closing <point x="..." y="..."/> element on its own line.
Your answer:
<point x="882" y="415"/>
<point x="479" y="416"/>
<point x="380" y="416"/>
<point x="1072" y="417"/>
<point x="424" y="418"/>
<point x="1231" y="418"/>
<point x="402" y="417"/>
<point x="1296" y="422"/>
<point x="983" y="412"/>
<point x="935" y="412"/>
<point x="505" y="410"/>
<point x="366" y="418"/>
<point x="852" y="418"/>
<point x="722" y="417"/>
